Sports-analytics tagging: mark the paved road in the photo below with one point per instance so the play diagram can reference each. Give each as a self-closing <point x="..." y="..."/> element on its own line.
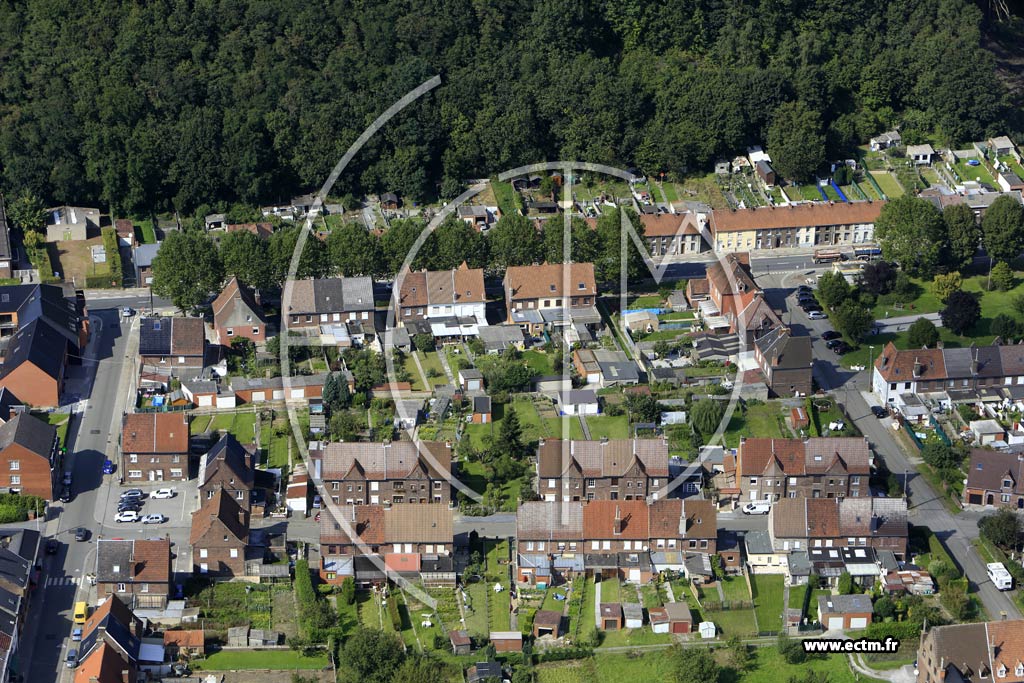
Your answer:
<point x="926" y="508"/>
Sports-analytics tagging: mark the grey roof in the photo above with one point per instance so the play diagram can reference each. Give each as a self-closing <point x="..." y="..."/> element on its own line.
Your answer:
<point x="230" y="454"/>
<point x="144" y="254"/>
<point x="471" y="373"/>
<point x="38" y="343"/>
<point x="481" y="404"/>
<point x="758" y="542"/>
<point x="799" y="564"/>
<point x="632" y="610"/>
<point x="331" y="295"/>
<point x="844" y="604"/>
<point x="542" y="520"/>
<point x="784" y="351"/>
<point x="113" y="560"/>
<point x="499" y="337"/>
<point x="155" y="337"/>
<point x="620" y="371"/>
<point x="578" y="396"/>
<point x="29" y="432"/>
<point x="257" y="383"/>
<point x="699" y="564"/>
<point x="14" y="568"/>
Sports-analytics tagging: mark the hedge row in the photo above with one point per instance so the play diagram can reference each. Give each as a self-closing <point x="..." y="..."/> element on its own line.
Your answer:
<point x="113" y="278"/>
<point x="396" y="617"/>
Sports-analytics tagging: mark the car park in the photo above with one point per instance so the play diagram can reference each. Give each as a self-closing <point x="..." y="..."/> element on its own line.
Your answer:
<point x="817" y="315"/>
<point x="81" y="534"/>
<point x="757" y="507"/>
<point x="162" y="493"/>
<point x="879" y="411"/>
<point x="129" y="507"/>
<point x="829" y="335"/>
<point x="154" y="519"/>
<point x="127" y="516"/>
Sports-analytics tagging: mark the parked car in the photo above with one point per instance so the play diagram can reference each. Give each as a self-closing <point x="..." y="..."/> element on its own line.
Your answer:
<point x="76" y="634"/>
<point x="108" y="467"/>
<point x="71" y="660"/>
<point x="832" y="343"/>
<point x="81" y="534"/>
<point x="127" y="516"/>
<point x="65" y="494"/>
<point x="127" y="312"/>
<point x="817" y="315"/>
<point x="133" y="493"/>
<point x="879" y="411"/>
<point x="162" y="493"/>
<point x="129" y="505"/>
<point x="829" y="335"/>
<point x="153" y="519"/>
<point x="757" y="507"/>
<point x="52" y="546"/>
<point x="841" y="348"/>
<point x="316" y="502"/>
<point x="179" y="670"/>
<point x="67" y="479"/>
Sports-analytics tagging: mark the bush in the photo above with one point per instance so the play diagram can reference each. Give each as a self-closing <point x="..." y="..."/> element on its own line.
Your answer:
<point x="900" y="630"/>
<point x="396" y="616"/>
<point x="10" y="513"/>
<point x="348" y="590"/>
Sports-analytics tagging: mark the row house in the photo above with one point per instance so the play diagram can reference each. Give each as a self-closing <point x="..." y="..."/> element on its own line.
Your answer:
<point x="393" y="472"/>
<point x="173" y="346"/>
<point x="219" y="537"/>
<point x="799" y="524"/>
<point x="795" y="226"/>
<point x="29" y="457"/>
<point x="785" y="361"/>
<point x="154" y="447"/>
<point x="35" y="364"/>
<point x="898" y="375"/>
<point x="19" y="555"/>
<point x="138" y="571"/>
<point x="373" y="542"/>
<point x="23" y="304"/>
<point x="325" y="303"/>
<point x="228" y="468"/>
<point x="972" y="653"/>
<point x="450" y="303"/>
<point x="609" y="469"/>
<point x="557" y="540"/>
<point x="825" y="467"/>
<point x="237" y="313"/>
<point x="112" y="648"/>
<point x="551" y="295"/>
<point x="995" y="479"/>
<point x="670" y="234"/>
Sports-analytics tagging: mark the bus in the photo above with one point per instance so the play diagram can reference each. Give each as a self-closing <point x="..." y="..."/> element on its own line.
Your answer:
<point x="869" y="253"/>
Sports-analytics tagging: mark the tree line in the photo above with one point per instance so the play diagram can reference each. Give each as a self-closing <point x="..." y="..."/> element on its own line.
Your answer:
<point x="191" y="264"/>
<point x="169" y="105"/>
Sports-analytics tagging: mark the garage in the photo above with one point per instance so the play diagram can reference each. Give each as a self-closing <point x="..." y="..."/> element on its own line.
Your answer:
<point x="858" y="622"/>
<point x="835" y="623"/>
<point x="206" y="400"/>
<point x="634" y="575"/>
<point x="298" y="393"/>
<point x="278" y="394"/>
<point x="259" y="396"/>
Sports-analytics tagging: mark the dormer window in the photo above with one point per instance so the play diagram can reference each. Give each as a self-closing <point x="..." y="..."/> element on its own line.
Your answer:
<point x="1001" y="671"/>
<point x="553" y="288"/>
<point x="1018" y="670"/>
<point x="583" y="286"/>
<point x="1007" y="483"/>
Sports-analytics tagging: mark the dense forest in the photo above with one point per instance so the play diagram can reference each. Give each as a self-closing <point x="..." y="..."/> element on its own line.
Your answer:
<point x="157" y="104"/>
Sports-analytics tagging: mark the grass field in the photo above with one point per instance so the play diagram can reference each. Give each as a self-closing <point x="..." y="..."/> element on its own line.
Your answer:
<point x="145" y="232"/>
<point x="539" y="362"/>
<point x="735" y="588"/>
<point x="768" y="590"/>
<point x="240" y="425"/>
<point x="967" y="173"/>
<point x="703" y="189"/>
<point x="415" y="378"/>
<point x="646" y="301"/>
<point x="611" y="591"/>
<point x="534" y="426"/>
<point x="612" y="427"/>
<point x="260" y="659"/>
<point x="432" y="366"/>
<point x="868" y="189"/>
<point x="737" y="622"/>
<point x="888" y="183"/>
<point x="758" y="421"/>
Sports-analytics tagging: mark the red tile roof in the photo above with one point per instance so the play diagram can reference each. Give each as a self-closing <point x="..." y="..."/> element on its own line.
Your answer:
<point x="899" y="366"/>
<point x="796" y="216"/>
<point x="537" y="282"/>
<point x="599" y="519"/>
<point x="154" y="433"/>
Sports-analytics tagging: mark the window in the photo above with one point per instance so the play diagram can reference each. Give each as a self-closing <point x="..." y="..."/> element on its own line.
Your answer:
<point x="234" y="552"/>
<point x="239" y="495"/>
<point x="591" y="483"/>
<point x="337" y="485"/>
<point x="704" y="543"/>
<point x="855" y="481"/>
<point x="692" y="543"/>
<point x="176" y="473"/>
<point x="203" y="568"/>
<point x="202" y="552"/>
<point x="144" y="588"/>
<point x="595" y="545"/>
<point x="1006" y="482"/>
<point x="1004" y="498"/>
<point x="181" y="360"/>
<point x="121" y="588"/>
<point x="753" y="481"/>
<point x="529" y="545"/>
<point x="540" y="545"/>
<point x="231" y="332"/>
<point x="255" y="330"/>
<point x="551" y="483"/>
<point x="134" y="457"/>
<point x="15" y="465"/>
<point x="792" y="481"/>
<point x="654" y="482"/>
<point x="135" y="474"/>
<point x="15" y="480"/>
<point x="607" y="545"/>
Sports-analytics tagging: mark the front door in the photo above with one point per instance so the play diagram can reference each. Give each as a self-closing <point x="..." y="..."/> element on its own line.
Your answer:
<point x="152" y="475"/>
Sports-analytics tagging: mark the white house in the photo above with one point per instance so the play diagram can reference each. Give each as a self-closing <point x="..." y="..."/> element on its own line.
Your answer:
<point x="578" y="402"/>
<point x="920" y="154"/>
<point x="761" y="554"/>
<point x="452" y="302"/>
<point x="987" y="432"/>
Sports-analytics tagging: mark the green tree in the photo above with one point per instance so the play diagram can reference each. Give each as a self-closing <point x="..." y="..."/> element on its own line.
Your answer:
<point x="424" y="341"/>
<point x="692" y="665"/>
<point x="947" y="283"/>
<point x="833" y="289"/>
<point x="370" y="656"/>
<point x="912" y="233"/>
<point x="922" y="333"/>
<point x="706" y="415"/>
<point x="964" y="234"/>
<point x="455" y="242"/>
<point x="245" y="257"/>
<point x="397" y="243"/>
<point x="845" y="584"/>
<point x="878" y="278"/>
<point x="1002" y="529"/>
<point x="33" y="239"/>
<point x="514" y="241"/>
<point x="511" y="433"/>
<point x="642" y="407"/>
<point x="740" y="657"/>
<point x="344" y="426"/>
<point x="27" y="212"/>
<point x="885" y="608"/>
<point x="354" y="251"/>
<point x="419" y="668"/>
<point x="313" y="263"/>
<point x="187" y="269"/>
<point x="961" y="313"/>
<point x="348" y="591"/>
<point x="792" y="651"/>
<point x="796" y="141"/>
<point x="1005" y="326"/>
<point x="852" y="320"/>
<point x="336" y="395"/>
<point x="1002" y="228"/>
<point x="1002" y="276"/>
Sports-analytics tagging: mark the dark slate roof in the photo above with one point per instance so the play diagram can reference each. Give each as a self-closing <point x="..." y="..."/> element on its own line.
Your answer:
<point x="111" y="553"/>
<point x="9" y="602"/>
<point x="29" y="432"/>
<point x="155" y="337"/>
<point x="227" y="453"/>
<point x="42" y="301"/>
<point x="23" y="542"/>
<point x="14" y="568"/>
<point x="37" y="343"/>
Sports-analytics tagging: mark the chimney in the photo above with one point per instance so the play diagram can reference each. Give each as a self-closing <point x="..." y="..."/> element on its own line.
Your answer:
<point x="617" y="528"/>
<point x="918" y="368"/>
<point x="241" y="517"/>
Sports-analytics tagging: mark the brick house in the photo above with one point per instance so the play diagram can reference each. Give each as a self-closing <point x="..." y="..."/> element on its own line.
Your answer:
<point x="29" y="457"/>
<point x="237" y="313"/>
<point x="219" y="536"/>
<point x="796" y="524"/>
<point x="173" y="346"/>
<point x="617" y="469"/>
<point x="440" y="296"/>
<point x="184" y="644"/>
<point x="735" y="303"/>
<point x="368" y="539"/>
<point x="669" y="234"/>
<point x="803" y="225"/>
<point x="996" y="479"/>
<point x="972" y="653"/>
<point x="227" y="468"/>
<point x="774" y="469"/>
<point x="785" y="361"/>
<point x="841" y="612"/>
<point x="154" y="447"/>
<point x="361" y="473"/>
<point x="537" y="296"/>
<point x="328" y="301"/>
<point x="549" y="541"/>
<point x="137" y="571"/>
<point x="611" y="527"/>
<point x="688" y="525"/>
<point x="35" y="364"/>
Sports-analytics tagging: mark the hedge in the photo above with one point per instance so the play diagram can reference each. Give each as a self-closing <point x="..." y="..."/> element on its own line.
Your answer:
<point x="900" y="630"/>
<point x="396" y="617"/>
<point x="113" y="278"/>
<point x="563" y="653"/>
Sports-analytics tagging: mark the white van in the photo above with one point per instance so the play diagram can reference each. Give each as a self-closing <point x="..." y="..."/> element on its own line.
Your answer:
<point x="757" y="507"/>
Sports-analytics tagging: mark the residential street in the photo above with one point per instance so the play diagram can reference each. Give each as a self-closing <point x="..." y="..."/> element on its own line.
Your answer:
<point x="926" y="509"/>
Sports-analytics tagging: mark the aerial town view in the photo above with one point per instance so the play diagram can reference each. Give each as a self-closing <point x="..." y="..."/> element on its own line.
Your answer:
<point x="564" y="341"/>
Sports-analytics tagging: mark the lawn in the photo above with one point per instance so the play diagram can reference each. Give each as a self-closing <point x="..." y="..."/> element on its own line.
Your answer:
<point x="629" y="637"/>
<point x="669" y="191"/>
<point x="59" y="420"/>
<point x="796" y="597"/>
<point x="767" y="590"/>
<point x="476" y="609"/>
<point x="767" y="667"/>
<point x="646" y="301"/>
<point x="550" y="603"/>
<point x="612" y="427"/>
<point x="145" y="232"/>
<point x="240" y="425"/>
<point x="415" y="378"/>
<point x="735" y="589"/>
<point x="807" y="192"/>
<point x="538" y="362"/>
<point x="432" y="366"/>
<point x="737" y="622"/>
<point x="868" y="190"/>
<point x="611" y="591"/>
<point x="260" y="659"/>
<point x="76" y="262"/>
<point x="979" y="173"/>
<point x="888" y="183"/>
<point x="534" y="426"/>
<point x="762" y="420"/>
<point x="200" y="424"/>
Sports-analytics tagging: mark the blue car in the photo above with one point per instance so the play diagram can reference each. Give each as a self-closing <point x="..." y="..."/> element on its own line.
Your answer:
<point x="108" y="467"/>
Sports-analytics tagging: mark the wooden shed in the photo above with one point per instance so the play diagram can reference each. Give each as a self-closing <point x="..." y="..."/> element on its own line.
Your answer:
<point x="659" y="619"/>
<point x="461" y="644"/>
<point x="547" y="623"/>
<point x="507" y="641"/>
<point x="611" y="616"/>
<point x="798" y="416"/>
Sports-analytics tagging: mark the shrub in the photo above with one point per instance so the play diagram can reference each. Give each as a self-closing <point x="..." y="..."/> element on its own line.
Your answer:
<point x="348" y="590"/>
<point x="396" y="616"/>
